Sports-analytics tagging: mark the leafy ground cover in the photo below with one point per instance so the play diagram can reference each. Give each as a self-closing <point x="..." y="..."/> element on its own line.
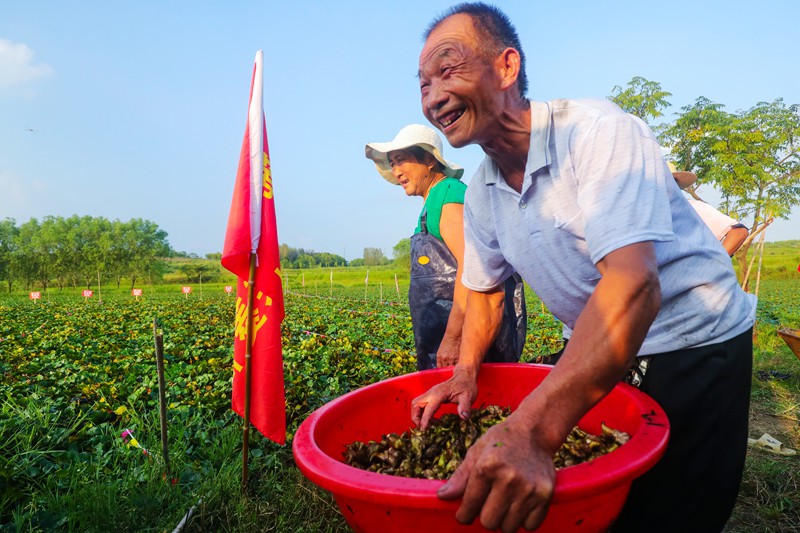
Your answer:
<point x="74" y="375"/>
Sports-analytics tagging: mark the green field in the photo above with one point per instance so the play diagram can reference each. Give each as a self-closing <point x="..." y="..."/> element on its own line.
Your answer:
<point x="76" y="374"/>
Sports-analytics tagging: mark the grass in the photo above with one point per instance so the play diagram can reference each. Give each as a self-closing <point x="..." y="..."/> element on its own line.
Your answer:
<point x="769" y="498"/>
<point x="104" y="485"/>
<point x="65" y="469"/>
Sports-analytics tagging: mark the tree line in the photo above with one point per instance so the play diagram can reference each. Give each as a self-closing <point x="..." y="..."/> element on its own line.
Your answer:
<point x="82" y="251"/>
<point x="301" y="258"/>
<point x="77" y="251"/>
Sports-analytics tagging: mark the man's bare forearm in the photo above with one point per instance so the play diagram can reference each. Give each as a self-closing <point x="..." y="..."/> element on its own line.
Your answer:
<point x="455" y="322"/>
<point x="482" y="319"/>
<point x="605" y="342"/>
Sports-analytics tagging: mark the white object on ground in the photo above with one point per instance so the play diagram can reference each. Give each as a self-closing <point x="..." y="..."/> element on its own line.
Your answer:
<point x="771" y="444"/>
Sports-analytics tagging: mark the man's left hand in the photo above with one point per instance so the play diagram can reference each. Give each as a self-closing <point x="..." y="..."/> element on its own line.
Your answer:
<point x="461" y="389"/>
<point x="447" y="354"/>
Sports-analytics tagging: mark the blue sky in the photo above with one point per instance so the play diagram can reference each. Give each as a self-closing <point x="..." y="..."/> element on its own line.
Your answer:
<point x="138" y="109"/>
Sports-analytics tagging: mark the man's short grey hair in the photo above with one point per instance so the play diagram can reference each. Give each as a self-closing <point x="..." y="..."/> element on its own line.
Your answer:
<point x="495" y="26"/>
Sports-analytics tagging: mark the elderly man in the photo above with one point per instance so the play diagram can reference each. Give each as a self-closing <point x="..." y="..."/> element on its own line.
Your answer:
<point x="576" y="197"/>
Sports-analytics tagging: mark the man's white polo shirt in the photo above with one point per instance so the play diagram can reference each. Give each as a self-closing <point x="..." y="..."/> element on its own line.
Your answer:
<point x="595" y="181"/>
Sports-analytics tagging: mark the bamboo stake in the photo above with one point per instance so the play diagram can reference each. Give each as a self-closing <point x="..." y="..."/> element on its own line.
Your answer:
<point x="186" y="517"/>
<point x="746" y="276"/>
<point x="247" y="370"/>
<point x="760" y="257"/>
<point x="162" y="396"/>
<point x="396" y="286"/>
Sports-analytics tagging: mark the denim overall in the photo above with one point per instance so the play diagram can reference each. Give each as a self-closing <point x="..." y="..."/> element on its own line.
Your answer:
<point x="430" y="297"/>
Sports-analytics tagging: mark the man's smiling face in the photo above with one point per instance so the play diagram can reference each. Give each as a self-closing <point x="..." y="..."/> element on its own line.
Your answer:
<point x="460" y="88"/>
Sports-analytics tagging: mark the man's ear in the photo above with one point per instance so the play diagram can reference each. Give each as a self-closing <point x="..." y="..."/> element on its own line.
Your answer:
<point x="508" y="65"/>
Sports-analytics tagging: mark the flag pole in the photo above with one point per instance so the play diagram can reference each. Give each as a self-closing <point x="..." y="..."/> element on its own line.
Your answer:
<point x="247" y="356"/>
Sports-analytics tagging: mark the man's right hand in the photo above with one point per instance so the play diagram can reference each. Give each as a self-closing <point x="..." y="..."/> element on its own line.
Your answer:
<point x="461" y="389"/>
<point x="507" y="479"/>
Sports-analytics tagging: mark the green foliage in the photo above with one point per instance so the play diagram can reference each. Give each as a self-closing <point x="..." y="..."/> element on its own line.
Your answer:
<point x="642" y="97"/>
<point x="300" y="258"/>
<point x="8" y="245"/>
<point x="752" y="157"/>
<point x="374" y="257"/>
<point x="73" y="375"/>
<point x="402" y="248"/>
<point x="72" y="251"/>
<point x="198" y="271"/>
<point x="402" y="254"/>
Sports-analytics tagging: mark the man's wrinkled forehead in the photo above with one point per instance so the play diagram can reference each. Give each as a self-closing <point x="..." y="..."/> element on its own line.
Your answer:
<point x="429" y="61"/>
<point x="453" y="37"/>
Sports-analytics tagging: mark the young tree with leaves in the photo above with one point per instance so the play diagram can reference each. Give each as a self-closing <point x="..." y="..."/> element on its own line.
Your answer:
<point x="642" y="98"/>
<point x="752" y="157"/>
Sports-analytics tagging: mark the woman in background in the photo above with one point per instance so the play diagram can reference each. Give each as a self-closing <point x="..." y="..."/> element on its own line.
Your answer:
<point x="436" y="296"/>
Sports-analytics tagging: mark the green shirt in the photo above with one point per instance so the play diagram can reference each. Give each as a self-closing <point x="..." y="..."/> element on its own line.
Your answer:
<point x="447" y="191"/>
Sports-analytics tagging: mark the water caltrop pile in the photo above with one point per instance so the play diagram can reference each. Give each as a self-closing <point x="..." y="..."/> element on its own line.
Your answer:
<point x="436" y="452"/>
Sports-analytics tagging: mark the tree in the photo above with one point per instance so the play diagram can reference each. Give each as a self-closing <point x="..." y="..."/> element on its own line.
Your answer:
<point x="97" y="253"/>
<point x="8" y="245"/>
<point x="73" y="244"/>
<point x="146" y="244"/>
<point x="690" y="141"/>
<point x="30" y="259"/>
<point x="402" y="252"/>
<point x="374" y="257"/>
<point x="48" y="242"/>
<point x="301" y="258"/>
<point x="753" y="157"/>
<point x="304" y="260"/>
<point x="199" y="271"/>
<point x="74" y="249"/>
<point x="642" y="97"/>
<point x="326" y="259"/>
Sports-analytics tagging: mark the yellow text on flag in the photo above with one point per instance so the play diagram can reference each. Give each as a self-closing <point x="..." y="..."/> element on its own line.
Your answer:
<point x="267" y="178"/>
<point x="259" y="316"/>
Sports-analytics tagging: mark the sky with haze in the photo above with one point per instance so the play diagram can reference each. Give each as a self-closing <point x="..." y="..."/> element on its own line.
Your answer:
<point x="137" y="109"/>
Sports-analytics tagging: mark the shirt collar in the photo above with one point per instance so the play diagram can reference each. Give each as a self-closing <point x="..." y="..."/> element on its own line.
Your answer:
<point x="538" y="155"/>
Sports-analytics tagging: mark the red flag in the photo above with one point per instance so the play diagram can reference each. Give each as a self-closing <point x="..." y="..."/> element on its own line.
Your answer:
<point x="252" y="229"/>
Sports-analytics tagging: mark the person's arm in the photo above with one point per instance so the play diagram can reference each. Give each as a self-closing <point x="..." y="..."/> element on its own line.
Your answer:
<point x="734" y="239"/>
<point x="451" y="227"/>
<point x="507" y="477"/>
<point x="484" y="312"/>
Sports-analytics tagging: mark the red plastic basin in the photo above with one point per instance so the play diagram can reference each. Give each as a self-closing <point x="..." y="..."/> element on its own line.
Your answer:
<point x="588" y="497"/>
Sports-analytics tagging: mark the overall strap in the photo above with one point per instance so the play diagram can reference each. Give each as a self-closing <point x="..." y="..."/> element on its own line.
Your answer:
<point x="423" y="220"/>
